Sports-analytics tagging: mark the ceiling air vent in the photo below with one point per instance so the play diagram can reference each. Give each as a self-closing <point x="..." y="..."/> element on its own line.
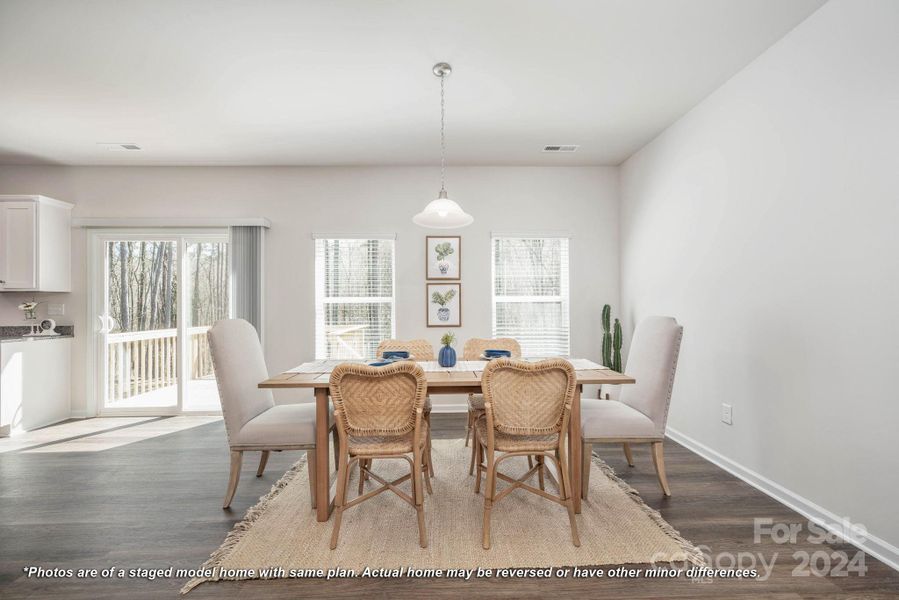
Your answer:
<point x="118" y="146"/>
<point x="559" y="148"/>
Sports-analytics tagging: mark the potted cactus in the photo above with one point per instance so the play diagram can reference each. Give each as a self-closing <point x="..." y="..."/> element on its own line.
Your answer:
<point x="611" y="340"/>
<point x="447" y="355"/>
<point x="443" y="250"/>
<point x="443" y="313"/>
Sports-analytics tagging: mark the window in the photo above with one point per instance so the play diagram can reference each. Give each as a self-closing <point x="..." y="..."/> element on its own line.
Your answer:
<point x="354" y="297"/>
<point x="530" y="293"/>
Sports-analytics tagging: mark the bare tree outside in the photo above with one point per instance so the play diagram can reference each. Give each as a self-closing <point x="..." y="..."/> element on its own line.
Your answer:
<point x="145" y="291"/>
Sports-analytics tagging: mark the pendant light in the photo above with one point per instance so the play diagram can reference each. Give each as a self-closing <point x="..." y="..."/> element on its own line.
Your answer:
<point x="443" y="213"/>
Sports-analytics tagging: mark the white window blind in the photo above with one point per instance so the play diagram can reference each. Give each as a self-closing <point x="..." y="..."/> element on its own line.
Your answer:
<point x="354" y="297"/>
<point x="530" y="293"/>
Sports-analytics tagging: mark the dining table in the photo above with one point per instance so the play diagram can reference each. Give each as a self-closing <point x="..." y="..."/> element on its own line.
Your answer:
<point x="462" y="378"/>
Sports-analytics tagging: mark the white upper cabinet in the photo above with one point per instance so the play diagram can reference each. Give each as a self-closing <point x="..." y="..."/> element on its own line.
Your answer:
<point x="35" y="244"/>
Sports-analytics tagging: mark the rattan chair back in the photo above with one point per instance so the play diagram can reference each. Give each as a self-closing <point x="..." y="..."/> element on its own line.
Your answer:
<point x="378" y="400"/>
<point x="475" y="347"/>
<point x="419" y="349"/>
<point x="523" y="398"/>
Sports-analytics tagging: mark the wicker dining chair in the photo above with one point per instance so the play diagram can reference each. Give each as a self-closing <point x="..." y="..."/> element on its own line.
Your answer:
<point x="379" y="414"/>
<point x="526" y="411"/>
<point x="421" y="351"/>
<point x="473" y="350"/>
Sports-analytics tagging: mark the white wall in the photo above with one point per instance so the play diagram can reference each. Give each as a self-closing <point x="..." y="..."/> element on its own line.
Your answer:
<point x="300" y="201"/>
<point x="767" y="221"/>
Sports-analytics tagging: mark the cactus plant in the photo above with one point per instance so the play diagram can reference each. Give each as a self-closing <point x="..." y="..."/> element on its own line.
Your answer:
<point x="607" y="335"/>
<point x="616" y="347"/>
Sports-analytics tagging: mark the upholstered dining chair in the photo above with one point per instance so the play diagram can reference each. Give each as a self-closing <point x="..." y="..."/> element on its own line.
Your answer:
<point x="253" y="422"/>
<point x="421" y="351"/>
<point x="639" y="415"/>
<point x="379" y="414"/>
<point x="526" y="411"/>
<point x="473" y="350"/>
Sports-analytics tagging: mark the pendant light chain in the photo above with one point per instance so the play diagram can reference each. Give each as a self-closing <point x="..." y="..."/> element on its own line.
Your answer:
<point x="442" y="212"/>
<point x="442" y="133"/>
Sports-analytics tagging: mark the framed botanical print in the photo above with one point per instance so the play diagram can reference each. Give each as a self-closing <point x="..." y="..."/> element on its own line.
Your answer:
<point x="444" y="304"/>
<point x="443" y="257"/>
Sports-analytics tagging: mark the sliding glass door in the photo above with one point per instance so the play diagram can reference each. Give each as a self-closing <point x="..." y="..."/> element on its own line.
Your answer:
<point x="155" y="296"/>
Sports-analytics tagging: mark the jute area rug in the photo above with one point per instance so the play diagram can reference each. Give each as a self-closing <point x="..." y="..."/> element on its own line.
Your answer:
<point x="616" y="527"/>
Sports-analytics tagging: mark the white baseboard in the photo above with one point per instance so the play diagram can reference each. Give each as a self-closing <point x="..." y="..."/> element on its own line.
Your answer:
<point x="873" y="545"/>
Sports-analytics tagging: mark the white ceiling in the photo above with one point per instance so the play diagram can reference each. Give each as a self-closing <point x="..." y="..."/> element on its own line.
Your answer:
<point x="287" y="82"/>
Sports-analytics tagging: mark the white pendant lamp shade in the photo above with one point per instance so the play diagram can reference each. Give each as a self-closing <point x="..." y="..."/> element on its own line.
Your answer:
<point x="443" y="213"/>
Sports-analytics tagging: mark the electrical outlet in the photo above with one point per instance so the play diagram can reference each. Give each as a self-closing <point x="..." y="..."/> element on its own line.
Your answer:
<point x="727" y="414"/>
<point x="56" y="310"/>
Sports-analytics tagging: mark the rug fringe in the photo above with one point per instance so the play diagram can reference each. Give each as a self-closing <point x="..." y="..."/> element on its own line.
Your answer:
<point x="692" y="554"/>
<point x="241" y="528"/>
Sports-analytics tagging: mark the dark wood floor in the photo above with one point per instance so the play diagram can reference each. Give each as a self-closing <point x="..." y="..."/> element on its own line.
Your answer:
<point x="155" y="504"/>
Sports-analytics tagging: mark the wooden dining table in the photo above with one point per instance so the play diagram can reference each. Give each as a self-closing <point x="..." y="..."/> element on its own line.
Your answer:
<point x="463" y="378"/>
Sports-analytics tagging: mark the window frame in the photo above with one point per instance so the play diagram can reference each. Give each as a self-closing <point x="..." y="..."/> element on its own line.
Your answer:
<point x="563" y="299"/>
<point x="319" y="290"/>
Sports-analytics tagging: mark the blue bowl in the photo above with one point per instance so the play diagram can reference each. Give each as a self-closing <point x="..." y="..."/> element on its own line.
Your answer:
<point x="497" y="353"/>
<point x="395" y="354"/>
<point x="381" y="363"/>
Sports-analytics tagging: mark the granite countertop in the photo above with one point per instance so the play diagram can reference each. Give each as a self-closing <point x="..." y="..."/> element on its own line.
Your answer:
<point x="19" y="338"/>
<point x="14" y="333"/>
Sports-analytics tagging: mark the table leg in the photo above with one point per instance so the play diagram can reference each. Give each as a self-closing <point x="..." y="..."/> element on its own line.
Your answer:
<point x="575" y="448"/>
<point x="322" y="452"/>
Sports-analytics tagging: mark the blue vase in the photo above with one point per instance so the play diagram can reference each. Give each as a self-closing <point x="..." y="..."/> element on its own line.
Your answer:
<point x="447" y="357"/>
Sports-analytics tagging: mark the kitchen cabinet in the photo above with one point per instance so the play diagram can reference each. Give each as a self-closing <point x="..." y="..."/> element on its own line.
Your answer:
<point x="35" y="244"/>
<point x="35" y="383"/>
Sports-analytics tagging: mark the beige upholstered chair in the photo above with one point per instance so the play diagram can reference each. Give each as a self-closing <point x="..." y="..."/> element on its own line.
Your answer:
<point x="379" y="414"/>
<point x="421" y="351"/>
<point x="253" y="421"/>
<point x="526" y="412"/>
<point x="640" y="413"/>
<point x="473" y="350"/>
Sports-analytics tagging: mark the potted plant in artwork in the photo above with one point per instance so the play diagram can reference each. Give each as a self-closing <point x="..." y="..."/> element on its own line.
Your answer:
<point x="443" y="250"/>
<point x="443" y="313"/>
<point x="447" y="355"/>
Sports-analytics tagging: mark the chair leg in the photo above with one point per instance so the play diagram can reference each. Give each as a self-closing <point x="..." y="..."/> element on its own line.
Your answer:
<point x="310" y="470"/>
<point x="567" y="496"/>
<point x="478" y="451"/>
<point x="530" y="462"/>
<point x="428" y="447"/>
<point x="418" y="477"/>
<point x="474" y="454"/>
<point x="468" y="428"/>
<point x="234" y="477"/>
<point x="340" y="499"/>
<point x="540" y="472"/>
<point x="363" y="464"/>
<point x="658" y="458"/>
<point x="335" y="441"/>
<point x="263" y="459"/>
<point x="426" y="470"/>
<point x="627" y="454"/>
<point x="489" y="493"/>
<point x="586" y="463"/>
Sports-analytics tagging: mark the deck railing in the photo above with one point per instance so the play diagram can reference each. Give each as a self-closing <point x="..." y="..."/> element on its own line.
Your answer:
<point x="144" y="361"/>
